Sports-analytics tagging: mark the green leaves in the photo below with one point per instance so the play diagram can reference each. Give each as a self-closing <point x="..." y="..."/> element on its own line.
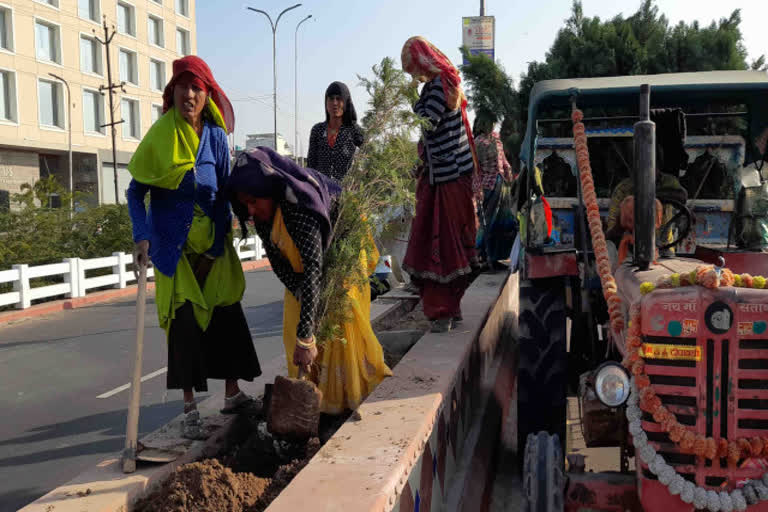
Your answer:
<point x="380" y="179"/>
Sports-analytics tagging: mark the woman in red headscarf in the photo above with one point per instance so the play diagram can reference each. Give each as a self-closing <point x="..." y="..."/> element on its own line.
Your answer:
<point x="441" y="250"/>
<point x="183" y="163"/>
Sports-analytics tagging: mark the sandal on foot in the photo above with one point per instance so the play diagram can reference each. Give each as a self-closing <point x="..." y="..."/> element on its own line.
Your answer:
<point x="442" y="325"/>
<point x="237" y="403"/>
<point x="192" y="427"/>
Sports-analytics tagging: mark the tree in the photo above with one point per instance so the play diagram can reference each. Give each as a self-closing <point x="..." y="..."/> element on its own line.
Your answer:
<point x="379" y="179"/>
<point x="491" y="92"/>
<point x="644" y="43"/>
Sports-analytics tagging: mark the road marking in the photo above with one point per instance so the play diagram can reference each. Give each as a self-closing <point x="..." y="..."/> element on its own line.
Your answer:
<point x="262" y="333"/>
<point x="122" y="388"/>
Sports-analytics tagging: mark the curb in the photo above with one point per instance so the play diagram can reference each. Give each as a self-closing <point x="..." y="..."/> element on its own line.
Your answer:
<point x="57" y="306"/>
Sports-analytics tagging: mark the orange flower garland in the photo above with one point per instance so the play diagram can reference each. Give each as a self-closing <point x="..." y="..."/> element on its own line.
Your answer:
<point x="705" y="275"/>
<point x="610" y="291"/>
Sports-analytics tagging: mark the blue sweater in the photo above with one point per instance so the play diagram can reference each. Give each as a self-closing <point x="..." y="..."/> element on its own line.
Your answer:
<point x="166" y="224"/>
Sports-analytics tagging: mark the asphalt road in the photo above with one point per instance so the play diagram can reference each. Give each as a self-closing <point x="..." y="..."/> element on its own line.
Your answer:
<point x="63" y="379"/>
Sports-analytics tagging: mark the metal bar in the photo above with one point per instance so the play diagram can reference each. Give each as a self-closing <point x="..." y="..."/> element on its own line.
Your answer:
<point x="645" y="183"/>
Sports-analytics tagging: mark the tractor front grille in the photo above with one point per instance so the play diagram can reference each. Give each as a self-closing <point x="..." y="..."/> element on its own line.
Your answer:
<point x="724" y="395"/>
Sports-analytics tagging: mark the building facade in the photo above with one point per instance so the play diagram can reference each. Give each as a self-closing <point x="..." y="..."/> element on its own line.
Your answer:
<point x="43" y="37"/>
<point x="268" y="140"/>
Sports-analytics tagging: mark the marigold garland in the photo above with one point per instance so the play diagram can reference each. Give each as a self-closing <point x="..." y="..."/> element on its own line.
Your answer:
<point x="705" y="275"/>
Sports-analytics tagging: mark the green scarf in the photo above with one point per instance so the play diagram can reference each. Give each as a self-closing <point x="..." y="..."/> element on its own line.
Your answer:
<point x="169" y="149"/>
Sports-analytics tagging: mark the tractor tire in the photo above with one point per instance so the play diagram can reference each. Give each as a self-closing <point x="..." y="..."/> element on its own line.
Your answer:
<point x="542" y="377"/>
<point x="543" y="474"/>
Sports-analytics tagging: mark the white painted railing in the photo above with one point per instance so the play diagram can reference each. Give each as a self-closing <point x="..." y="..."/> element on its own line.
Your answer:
<point x="77" y="284"/>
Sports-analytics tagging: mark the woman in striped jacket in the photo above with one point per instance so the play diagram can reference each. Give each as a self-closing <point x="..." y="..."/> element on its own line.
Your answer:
<point x="441" y="251"/>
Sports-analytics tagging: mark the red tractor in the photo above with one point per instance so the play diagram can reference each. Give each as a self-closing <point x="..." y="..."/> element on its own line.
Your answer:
<point x="643" y="299"/>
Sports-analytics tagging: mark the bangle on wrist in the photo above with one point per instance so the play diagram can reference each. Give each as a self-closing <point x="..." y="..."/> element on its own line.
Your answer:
<point x="305" y="345"/>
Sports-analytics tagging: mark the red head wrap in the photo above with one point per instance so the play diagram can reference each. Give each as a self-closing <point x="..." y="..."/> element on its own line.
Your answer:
<point x="204" y="79"/>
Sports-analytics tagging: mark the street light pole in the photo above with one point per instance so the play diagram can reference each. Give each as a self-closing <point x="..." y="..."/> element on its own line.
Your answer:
<point x="482" y="7"/>
<point x="274" y="57"/>
<point x="69" y="123"/>
<point x="296" y="89"/>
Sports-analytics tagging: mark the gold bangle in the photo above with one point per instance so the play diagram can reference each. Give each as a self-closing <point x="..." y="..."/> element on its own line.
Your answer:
<point x="306" y="346"/>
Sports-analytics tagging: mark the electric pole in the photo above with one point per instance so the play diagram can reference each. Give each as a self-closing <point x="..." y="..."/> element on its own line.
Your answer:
<point x="110" y="88"/>
<point x="482" y="7"/>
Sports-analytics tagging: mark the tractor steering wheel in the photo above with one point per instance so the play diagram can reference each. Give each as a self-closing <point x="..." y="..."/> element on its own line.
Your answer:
<point x="683" y="214"/>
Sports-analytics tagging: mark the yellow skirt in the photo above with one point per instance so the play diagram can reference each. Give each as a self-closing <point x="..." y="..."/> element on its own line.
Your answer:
<point x="348" y="368"/>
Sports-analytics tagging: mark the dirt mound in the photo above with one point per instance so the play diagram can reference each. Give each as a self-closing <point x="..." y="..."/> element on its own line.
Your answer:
<point x="210" y="486"/>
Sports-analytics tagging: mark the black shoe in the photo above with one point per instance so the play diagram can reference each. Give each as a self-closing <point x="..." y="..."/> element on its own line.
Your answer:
<point x="442" y="325"/>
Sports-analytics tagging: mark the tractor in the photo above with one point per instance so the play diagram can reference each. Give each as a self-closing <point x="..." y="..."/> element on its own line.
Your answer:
<point x="643" y="252"/>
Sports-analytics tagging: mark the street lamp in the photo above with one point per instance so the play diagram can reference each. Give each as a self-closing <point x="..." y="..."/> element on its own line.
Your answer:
<point x="296" y="89"/>
<point x="69" y="122"/>
<point x="274" y="57"/>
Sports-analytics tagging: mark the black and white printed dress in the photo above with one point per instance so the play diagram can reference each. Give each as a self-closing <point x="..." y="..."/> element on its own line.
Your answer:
<point x="333" y="161"/>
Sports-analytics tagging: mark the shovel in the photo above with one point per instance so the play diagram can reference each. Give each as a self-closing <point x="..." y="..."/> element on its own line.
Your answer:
<point x="133" y="449"/>
<point x="294" y="408"/>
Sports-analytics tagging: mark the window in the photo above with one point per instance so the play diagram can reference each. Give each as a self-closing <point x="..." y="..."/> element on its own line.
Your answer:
<point x="6" y="29"/>
<point x="51" y="99"/>
<point x="8" y="96"/>
<point x="90" y="55"/>
<point x="182" y="7"/>
<point x="89" y="9"/>
<point x="52" y="3"/>
<point x="182" y="41"/>
<point x="159" y="2"/>
<point x="93" y="112"/>
<point x="126" y="19"/>
<point x="155" y="31"/>
<point x="48" y="41"/>
<point x="130" y="112"/>
<point x="128" y="67"/>
<point x="156" y="74"/>
<point x="157" y="112"/>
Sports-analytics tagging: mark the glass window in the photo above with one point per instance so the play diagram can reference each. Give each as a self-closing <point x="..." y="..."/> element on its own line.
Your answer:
<point x="6" y="29"/>
<point x="47" y="41"/>
<point x="157" y="112"/>
<point x="182" y="7"/>
<point x="90" y="55"/>
<point x="7" y="96"/>
<point x="156" y="74"/>
<point x="88" y="9"/>
<point x="52" y="3"/>
<point x="51" y="103"/>
<point x="182" y="41"/>
<point x="126" y="19"/>
<point x="155" y="31"/>
<point x="93" y="112"/>
<point x="128" y="71"/>
<point x="130" y="112"/>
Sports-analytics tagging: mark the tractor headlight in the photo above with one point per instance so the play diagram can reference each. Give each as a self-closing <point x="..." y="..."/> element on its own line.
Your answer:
<point x="612" y="384"/>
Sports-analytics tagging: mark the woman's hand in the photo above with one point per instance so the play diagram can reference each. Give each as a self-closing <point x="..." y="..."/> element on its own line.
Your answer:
<point x="304" y="357"/>
<point x="140" y="256"/>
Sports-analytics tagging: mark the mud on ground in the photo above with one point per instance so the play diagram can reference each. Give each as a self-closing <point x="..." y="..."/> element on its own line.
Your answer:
<point x="255" y="466"/>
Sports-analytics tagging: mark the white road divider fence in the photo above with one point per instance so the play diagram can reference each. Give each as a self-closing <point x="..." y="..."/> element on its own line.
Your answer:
<point x="76" y="281"/>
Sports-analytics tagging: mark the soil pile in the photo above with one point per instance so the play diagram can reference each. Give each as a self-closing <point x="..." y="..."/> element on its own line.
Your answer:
<point x="245" y="479"/>
<point x="206" y="486"/>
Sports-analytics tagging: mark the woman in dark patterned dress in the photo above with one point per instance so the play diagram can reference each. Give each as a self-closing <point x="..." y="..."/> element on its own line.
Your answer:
<point x="333" y="143"/>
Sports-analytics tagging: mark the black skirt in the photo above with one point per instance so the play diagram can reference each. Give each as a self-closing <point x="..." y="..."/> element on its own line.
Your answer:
<point x="224" y="351"/>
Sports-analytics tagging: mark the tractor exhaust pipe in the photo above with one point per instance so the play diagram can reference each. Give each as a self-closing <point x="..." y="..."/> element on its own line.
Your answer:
<point x="645" y="183"/>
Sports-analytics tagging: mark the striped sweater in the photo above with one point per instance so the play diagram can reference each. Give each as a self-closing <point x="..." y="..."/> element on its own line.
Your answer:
<point x="447" y="146"/>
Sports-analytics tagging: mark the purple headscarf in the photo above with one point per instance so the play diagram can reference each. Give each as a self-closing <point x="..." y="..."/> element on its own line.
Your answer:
<point x="261" y="172"/>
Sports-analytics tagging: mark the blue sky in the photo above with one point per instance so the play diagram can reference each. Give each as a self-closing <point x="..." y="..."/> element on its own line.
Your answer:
<point x="345" y="38"/>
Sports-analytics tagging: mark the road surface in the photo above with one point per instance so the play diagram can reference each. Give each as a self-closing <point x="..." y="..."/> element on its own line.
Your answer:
<point x="63" y="386"/>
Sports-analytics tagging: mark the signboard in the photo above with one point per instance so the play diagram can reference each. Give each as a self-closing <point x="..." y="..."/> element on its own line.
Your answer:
<point x="478" y="35"/>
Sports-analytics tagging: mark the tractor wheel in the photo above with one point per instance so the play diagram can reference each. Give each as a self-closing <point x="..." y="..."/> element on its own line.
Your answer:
<point x="543" y="474"/>
<point x="542" y="376"/>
